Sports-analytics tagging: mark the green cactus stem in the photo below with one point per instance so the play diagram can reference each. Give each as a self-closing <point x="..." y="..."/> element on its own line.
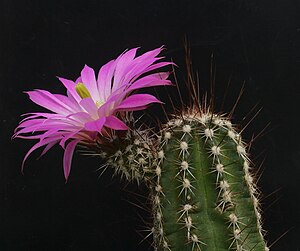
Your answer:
<point x="202" y="193"/>
<point x="205" y="197"/>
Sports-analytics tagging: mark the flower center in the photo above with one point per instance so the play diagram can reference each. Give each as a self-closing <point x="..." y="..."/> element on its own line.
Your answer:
<point x="82" y="91"/>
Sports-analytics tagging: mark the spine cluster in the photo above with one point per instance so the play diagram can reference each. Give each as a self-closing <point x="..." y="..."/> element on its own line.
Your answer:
<point x="131" y="156"/>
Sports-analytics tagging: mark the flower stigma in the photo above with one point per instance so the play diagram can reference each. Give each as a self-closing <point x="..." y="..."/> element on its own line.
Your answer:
<point x="82" y="91"/>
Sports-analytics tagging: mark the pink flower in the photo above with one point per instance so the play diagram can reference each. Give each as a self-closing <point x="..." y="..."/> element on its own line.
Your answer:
<point x="92" y="105"/>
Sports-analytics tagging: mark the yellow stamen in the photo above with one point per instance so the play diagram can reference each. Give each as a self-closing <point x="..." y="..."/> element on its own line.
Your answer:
<point x="82" y="91"/>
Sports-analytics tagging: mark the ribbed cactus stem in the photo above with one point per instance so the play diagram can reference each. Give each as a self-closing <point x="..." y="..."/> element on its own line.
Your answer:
<point x="207" y="198"/>
<point x="202" y="194"/>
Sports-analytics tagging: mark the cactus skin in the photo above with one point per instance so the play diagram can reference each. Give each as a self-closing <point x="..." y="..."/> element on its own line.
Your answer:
<point x="207" y="198"/>
<point x="202" y="194"/>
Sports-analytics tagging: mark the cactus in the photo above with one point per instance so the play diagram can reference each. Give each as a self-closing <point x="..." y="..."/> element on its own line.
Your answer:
<point x="202" y="194"/>
<point x="207" y="195"/>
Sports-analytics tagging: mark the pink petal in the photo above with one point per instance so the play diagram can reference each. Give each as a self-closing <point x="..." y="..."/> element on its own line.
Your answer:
<point x="95" y="125"/>
<point x="48" y="147"/>
<point x="67" y="137"/>
<point x="70" y="85"/>
<point x="115" y="123"/>
<point x="89" y="105"/>
<point x="71" y="103"/>
<point x="124" y="63"/>
<point x="31" y="122"/>
<point x="89" y="80"/>
<point x="159" y="65"/>
<point x="49" y="101"/>
<point x="108" y="108"/>
<point x="36" y="125"/>
<point x="36" y="146"/>
<point x="68" y="157"/>
<point x="105" y="79"/>
<point x="156" y="79"/>
<point x="141" y="63"/>
<point x="80" y="117"/>
<point x="149" y="55"/>
<point x="151" y="80"/>
<point x="135" y="102"/>
<point x="41" y="114"/>
<point x="50" y="134"/>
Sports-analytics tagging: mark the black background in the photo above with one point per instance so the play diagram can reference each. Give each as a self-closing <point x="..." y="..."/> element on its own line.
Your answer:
<point x="256" y="42"/>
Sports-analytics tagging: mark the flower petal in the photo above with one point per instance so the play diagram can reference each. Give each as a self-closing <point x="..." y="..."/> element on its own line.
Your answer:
<point x="89" y="80"/>
<point x="115" y="123"/>
<point x="70" y="85"/>
<point x="95" y="125"/>
<point x="48" y="147"/>
<point x="156" y="79"/>
<point x="49" y="101"/>
<point x="38" y="145"/>
<point x="68" y="157"/>
<point x="105" y="80"/>
<point x="89" y="105"/>
<point x="108" y="108"/>
<point x="135" y="102"/>
<point x="70" y="102"/>
<point x="123" y="63"/>
<point x="68" y="136"/>
<point x="141" y="63"/>
<point x="159" y="65"/>
<point x="79" y="118"/>
<point x="44" y="125"/>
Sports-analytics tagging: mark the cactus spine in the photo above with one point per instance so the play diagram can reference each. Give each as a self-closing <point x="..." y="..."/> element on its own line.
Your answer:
<point x="202" y="193"/>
